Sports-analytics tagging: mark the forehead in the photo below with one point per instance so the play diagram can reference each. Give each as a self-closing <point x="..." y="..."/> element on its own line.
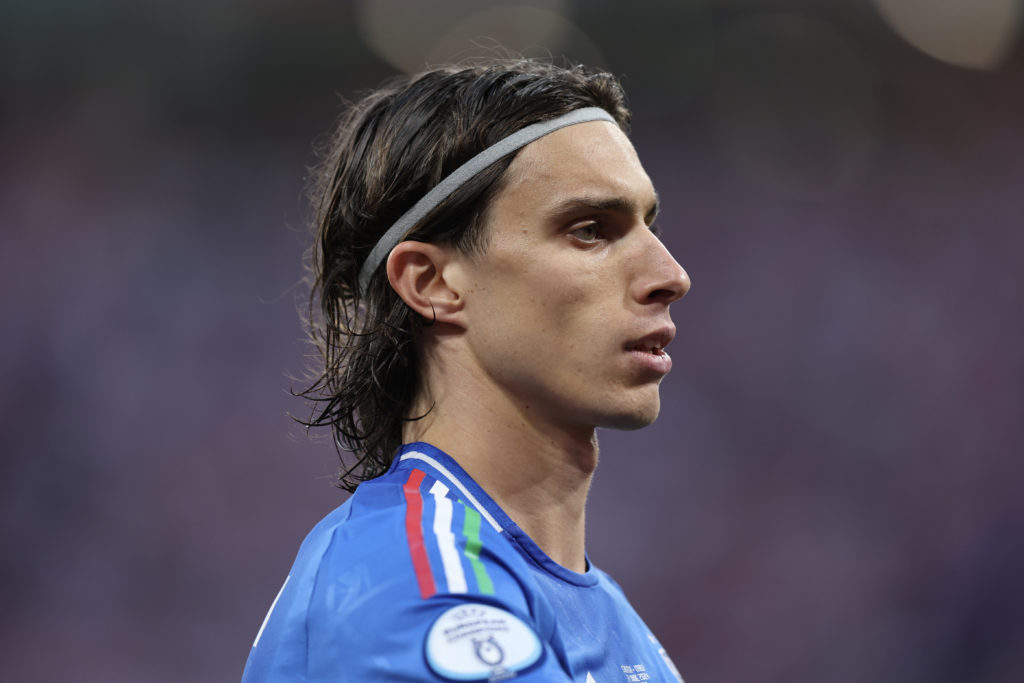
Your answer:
<point x="594" y="160"/>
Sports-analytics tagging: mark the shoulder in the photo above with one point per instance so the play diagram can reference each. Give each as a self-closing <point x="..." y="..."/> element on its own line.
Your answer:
<point x="411" y="537"/>
<point x="402" y="559"/>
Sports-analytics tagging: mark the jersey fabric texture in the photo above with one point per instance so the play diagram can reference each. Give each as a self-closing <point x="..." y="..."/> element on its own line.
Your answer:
<point x="420" y="576"/>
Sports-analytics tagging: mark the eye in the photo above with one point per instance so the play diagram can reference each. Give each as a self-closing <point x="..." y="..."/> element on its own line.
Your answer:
<point x="587" y="233"/>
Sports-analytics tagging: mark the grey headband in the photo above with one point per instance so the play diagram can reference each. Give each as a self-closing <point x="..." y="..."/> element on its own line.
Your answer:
<point x="397" y="232"/>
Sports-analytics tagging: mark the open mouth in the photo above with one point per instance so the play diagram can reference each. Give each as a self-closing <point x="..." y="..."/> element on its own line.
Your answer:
<point x="652" y="348"/>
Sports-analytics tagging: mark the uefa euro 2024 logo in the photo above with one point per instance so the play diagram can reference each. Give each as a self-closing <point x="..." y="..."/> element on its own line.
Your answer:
<point x="489" y="651"/>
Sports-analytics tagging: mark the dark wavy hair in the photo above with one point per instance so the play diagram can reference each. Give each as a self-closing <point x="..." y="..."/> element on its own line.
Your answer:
<point x="389" y="150"/>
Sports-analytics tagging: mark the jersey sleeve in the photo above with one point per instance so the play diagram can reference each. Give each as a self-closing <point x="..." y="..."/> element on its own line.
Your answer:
<point x="414" y="586"/>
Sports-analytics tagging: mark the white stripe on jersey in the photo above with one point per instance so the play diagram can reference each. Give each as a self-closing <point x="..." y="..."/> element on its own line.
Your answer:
<point x="416" y="455"/>
<point x="453" y="572"/>
<point x="270" y="611"/>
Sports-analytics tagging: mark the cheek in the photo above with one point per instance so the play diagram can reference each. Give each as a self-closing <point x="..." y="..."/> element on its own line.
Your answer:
<point x="536" y="308"/>
<point x="532" y="323"/>
<point x="573" y="328"/>
<point x="559" y="308"/>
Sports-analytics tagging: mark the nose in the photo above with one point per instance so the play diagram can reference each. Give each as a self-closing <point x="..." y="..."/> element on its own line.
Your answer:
<point x="660" y="279"/>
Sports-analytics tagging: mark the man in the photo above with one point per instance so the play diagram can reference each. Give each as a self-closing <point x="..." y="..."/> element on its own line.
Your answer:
<point x="491" y="290"/>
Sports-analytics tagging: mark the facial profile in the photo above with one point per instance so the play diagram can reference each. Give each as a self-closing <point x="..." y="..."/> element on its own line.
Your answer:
<point x="567" y="311"/>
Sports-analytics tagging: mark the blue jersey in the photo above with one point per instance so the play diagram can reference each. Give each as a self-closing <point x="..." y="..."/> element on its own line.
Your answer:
<point x="420" y="576"/>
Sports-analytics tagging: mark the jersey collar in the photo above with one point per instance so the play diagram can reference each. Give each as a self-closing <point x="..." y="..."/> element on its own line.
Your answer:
<point x="442" y="466"/>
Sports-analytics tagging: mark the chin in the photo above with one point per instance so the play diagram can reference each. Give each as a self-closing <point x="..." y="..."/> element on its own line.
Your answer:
<point x="636" y="417"/>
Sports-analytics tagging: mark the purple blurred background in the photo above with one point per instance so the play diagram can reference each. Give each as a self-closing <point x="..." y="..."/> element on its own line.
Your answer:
<point x="833" y="491"/>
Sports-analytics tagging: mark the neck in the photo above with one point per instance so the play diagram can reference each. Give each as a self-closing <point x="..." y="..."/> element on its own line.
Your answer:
<point x="538" y="474"/>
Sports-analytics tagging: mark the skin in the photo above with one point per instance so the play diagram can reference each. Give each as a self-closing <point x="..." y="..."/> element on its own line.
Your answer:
<point x="545" y="336"/>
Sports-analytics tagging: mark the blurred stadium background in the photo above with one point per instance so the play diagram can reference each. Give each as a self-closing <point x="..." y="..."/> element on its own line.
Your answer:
<point x="834" y="490"/>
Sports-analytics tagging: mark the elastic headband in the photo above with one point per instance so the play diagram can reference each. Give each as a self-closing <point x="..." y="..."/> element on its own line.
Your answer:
<point x="397" y="232"/>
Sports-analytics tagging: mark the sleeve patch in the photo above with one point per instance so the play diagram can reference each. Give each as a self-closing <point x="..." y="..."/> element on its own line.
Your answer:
<point x="475" y="642"/>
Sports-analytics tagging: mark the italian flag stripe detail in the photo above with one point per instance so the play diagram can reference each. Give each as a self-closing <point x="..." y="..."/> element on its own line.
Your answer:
<point x="471" y="530"/>
<point x="443" y="513"/>
<point x="414" y="532"/>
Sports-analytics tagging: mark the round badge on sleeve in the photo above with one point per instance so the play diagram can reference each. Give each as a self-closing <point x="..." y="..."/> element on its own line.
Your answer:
<point x="476" y="642"/>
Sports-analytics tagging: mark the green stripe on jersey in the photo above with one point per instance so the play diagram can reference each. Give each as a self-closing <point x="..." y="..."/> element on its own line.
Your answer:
<point x="471" y="530"/>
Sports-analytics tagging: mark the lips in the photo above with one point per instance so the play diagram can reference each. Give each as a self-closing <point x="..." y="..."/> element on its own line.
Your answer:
<point x="655" y="348"/>
<point x="649" y="350"/>
<point x="654" y="342"/>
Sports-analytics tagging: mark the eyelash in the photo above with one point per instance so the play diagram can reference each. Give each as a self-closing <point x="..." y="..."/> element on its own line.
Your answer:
<point x="599" y="232"/>
<point x="588" y="226"/>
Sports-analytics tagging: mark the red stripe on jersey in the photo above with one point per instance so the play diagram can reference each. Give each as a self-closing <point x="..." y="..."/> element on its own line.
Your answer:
<point x="414" y="530"/>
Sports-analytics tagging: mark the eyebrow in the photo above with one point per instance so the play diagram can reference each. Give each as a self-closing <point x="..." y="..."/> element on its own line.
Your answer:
<point x="616" y="204"/>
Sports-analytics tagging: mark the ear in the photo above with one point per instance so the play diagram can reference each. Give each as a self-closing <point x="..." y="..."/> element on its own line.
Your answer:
<point x="416" y="272"/>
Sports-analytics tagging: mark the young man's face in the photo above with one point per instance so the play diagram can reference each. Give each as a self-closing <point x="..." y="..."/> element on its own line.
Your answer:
<point x="568" y="307"/>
